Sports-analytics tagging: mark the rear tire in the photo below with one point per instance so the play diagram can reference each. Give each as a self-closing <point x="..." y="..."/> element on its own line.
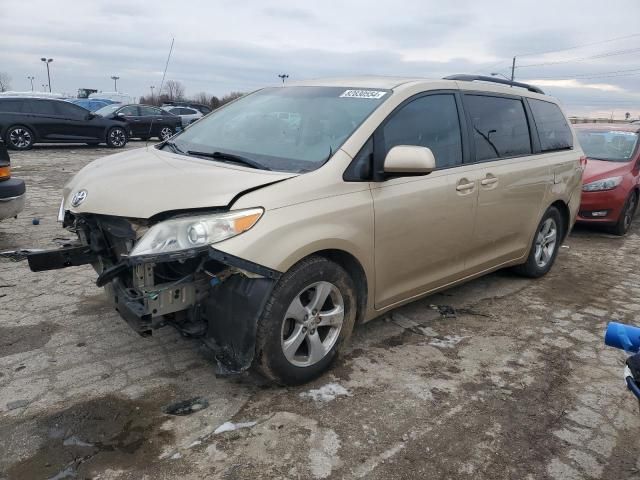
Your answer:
<point x="165" y="133"/>
<point x="19" y="138"/>
<point x="626" y="216"/>
<point x="308" y="318"/>
<point x="117" y="137"/>
<point x="545" y="245"/>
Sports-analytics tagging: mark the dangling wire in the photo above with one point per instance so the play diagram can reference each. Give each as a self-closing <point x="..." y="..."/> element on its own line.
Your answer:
<point x="164" y="74"/>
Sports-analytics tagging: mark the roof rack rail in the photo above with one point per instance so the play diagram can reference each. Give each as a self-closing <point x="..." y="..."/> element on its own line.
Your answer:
<point x="483" y="78"/>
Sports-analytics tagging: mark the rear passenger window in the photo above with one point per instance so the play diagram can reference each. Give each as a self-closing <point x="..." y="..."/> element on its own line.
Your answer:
<point x="431" y="121"/>
<point x="553" y="130"/>
<point x="43" y="107"/>
<point x="500" y="127"/>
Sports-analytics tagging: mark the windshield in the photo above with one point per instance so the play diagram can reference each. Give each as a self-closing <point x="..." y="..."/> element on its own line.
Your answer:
<point x="292" y="129"/>
<point x="612" y="146"/>
<point x="104" y="111"/>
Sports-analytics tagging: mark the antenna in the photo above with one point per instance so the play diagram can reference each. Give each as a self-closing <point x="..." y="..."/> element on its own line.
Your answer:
<point x="164" y="74"/>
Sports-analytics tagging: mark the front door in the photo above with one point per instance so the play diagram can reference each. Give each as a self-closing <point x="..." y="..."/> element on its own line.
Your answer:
<point x="423" y="224"/>
<point x="133" y="118"/>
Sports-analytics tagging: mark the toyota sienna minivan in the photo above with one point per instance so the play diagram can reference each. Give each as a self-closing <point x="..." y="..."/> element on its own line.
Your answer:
<point x="271" y="227"/>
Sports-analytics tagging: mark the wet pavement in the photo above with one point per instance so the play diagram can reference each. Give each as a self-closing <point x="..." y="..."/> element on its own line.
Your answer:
<point x="515" y="384"/>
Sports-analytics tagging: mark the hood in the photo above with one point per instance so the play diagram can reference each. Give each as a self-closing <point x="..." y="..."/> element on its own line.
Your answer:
<point x="144" y="182"/>
<point x="599" y="169"/>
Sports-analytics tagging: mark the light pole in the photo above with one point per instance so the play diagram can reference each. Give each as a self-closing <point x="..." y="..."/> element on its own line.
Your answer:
<point x="47" y="61"/>
<point x="152" y="87"/>
<point x="283" y="76"/>
<point x="115" y="82"/>
<point x="31" y="79"/>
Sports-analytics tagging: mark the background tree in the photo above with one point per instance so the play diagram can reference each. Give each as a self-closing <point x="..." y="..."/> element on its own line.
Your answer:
<point x="229" y="97"/>
<point x="5" y="82"/>
<point x="173" y="90"/>
<point x="627" y="116"/>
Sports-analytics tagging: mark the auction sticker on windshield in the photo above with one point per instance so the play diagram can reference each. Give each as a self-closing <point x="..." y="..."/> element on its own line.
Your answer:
<point x="375" y="94"/>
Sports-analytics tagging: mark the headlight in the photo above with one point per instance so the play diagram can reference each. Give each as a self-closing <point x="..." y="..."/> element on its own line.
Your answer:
<point x="195" y="231"/>
<point x="604" y="184"/>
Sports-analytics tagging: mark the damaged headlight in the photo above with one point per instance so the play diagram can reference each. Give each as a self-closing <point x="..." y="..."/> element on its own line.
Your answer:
<point x="195" y="231"/>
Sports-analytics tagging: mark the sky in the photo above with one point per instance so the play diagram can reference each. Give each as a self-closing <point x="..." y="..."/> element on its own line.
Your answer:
<point x="230" y="45"/>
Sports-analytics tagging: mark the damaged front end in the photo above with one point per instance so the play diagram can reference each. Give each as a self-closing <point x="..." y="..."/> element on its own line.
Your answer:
<point x="154" y="281"/>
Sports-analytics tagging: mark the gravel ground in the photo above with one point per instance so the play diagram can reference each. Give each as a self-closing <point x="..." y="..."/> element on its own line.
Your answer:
<point x="516" y="385"/>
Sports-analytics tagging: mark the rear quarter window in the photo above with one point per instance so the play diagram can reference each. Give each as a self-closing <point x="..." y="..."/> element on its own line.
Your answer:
<point x="553" y="129"/>
<point x="11" y="106"/>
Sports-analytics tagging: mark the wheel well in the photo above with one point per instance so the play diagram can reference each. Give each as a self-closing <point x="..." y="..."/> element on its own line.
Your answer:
<point x="566" y="215"/>
<point x="355" y="270"/>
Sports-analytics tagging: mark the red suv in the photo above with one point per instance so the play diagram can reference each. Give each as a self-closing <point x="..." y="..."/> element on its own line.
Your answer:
<point x="611" y="180"/>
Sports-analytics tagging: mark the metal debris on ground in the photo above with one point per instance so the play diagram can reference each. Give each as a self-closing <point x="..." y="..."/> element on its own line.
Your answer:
<point x="186" y="407"/>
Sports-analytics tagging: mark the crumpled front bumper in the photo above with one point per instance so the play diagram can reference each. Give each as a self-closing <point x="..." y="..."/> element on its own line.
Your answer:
<point x="229" y="304"/>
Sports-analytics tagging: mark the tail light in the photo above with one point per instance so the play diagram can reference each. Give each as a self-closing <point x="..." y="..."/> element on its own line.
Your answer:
<point x="5" y="172"/>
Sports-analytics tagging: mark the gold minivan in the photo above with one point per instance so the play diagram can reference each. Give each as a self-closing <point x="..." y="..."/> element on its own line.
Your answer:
<point x="272" y="226"/>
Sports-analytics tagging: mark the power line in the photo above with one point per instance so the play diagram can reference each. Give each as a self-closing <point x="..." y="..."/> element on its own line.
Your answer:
<point x="612" y="73"/>
<point x="579" y="46"/>
<point x="580" y="59"/>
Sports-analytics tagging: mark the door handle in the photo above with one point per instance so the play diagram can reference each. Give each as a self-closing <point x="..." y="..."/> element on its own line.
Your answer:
<point x="488" y="181"/>
<point x="461" y="187"/>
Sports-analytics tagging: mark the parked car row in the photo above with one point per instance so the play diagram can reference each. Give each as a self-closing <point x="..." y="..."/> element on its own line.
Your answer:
<point x="26" y="121"/>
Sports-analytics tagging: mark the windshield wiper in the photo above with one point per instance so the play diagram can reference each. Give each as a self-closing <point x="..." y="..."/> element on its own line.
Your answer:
<point x="173" y="146"/>
<point x="230" y="157"/>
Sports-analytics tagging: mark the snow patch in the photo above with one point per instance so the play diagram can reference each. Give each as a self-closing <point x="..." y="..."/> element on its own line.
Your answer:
<point x="449" y="341"/>
<point x="326" y="393"/>
<point x="230" y="427"/>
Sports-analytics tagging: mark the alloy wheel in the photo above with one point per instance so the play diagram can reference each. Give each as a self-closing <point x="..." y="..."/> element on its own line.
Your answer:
<point x="546" y="241"/>
<point x="629" y="212"/>
<point x="166" y="133"/>
<point x="312" y="324"/>
<point x="20" y="138"/>
<point x="117" y="137"/>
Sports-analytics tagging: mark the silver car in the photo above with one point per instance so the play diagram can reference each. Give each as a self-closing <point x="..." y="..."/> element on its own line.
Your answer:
<point x="188" y="115"/>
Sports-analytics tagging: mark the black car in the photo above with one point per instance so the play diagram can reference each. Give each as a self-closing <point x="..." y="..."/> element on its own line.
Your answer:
<point x="27" y="120"/>
<point x="143" y="121"/>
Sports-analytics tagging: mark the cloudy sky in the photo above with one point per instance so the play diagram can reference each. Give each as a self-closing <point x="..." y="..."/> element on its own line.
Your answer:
<point x="230" y="45"/>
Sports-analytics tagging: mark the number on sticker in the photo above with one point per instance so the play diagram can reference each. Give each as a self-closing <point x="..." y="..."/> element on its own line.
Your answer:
<point x="374" y="94"/>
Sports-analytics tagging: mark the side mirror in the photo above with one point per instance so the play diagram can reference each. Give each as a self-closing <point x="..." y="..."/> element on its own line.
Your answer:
<point x="120" y="115"/>
<point x="91" y="116"/>
<point x="409" y="159"/>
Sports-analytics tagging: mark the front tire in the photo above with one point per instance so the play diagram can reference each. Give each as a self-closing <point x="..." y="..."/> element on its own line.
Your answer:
<point x="308" y="318"/>
<point x="19" y="138"/>
<point x="545" y="246"/>
<point x="626" y="216"/>
<point x="117" y="137"/>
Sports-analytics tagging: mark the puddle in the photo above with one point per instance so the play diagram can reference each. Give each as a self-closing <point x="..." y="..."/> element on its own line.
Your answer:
<point x="90" y="437"/>
<point x="25" y="338"/>
<point x="186" y="407"/>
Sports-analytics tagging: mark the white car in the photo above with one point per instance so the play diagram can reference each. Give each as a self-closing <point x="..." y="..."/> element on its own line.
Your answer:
<point x="188" y="115"/>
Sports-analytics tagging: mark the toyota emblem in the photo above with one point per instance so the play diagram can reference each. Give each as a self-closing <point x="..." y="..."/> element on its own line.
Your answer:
<point x="78" y="198"/>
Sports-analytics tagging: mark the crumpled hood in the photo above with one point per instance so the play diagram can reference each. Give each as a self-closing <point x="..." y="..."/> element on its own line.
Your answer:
<point x="144" y="182"/>
<point x="599" y="169"/>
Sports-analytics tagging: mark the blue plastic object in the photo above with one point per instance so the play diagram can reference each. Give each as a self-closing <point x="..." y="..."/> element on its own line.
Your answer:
<point x="624" y="337"/>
